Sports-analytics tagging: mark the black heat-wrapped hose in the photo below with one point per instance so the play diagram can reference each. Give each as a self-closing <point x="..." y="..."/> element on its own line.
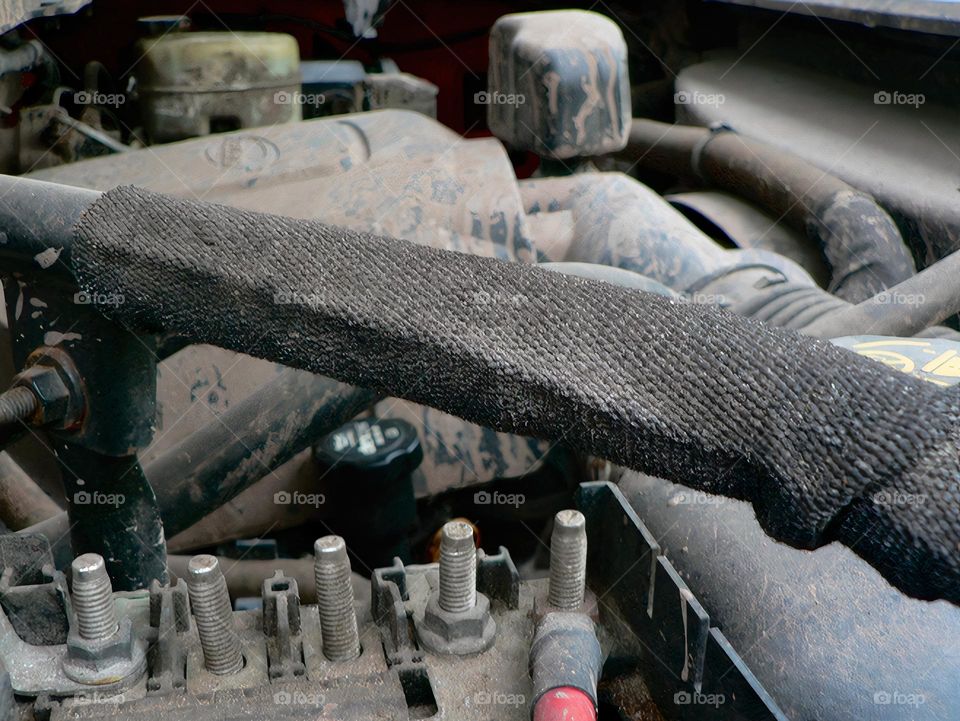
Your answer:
<point x="825" y="444"/>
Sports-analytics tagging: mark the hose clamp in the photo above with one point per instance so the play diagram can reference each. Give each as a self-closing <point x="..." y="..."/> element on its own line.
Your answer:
<point x="715" y="129"/>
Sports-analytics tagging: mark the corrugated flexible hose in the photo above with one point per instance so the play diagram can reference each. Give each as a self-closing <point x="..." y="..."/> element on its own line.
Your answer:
<point x="826" y="445"/>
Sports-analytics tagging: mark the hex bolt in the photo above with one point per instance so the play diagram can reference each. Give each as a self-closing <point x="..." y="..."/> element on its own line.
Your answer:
<point x="92" y="598"/>
<point x="458" y="568"/>
<point x="338" y="617"/>
<point x="214" y="616"/>
<point x="568" y="561"/>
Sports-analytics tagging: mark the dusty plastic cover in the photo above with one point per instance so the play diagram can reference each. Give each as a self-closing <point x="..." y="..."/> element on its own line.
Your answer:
<point x="932" y="16"/>
<point x="17" y="12"/>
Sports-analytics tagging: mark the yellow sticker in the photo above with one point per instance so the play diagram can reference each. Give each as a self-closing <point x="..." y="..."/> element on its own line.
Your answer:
<point x="947" y="364"/>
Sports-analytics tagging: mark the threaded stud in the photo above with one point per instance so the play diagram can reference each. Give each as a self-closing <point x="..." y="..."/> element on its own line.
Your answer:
<point x="458" y="568"/>
<point x="17" y="404"/>
<point x="568" y="561"/>
<point x="213" y="613"/>
<point x="92" y="598"/>
<point x="338" y="617"/>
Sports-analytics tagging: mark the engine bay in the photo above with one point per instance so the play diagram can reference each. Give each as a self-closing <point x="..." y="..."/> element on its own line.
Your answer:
<point x="389" y="360"/>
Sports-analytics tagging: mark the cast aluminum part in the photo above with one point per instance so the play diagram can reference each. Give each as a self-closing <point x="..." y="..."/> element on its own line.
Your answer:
<point x="338" y="618"/>
<point x="568" y="561"/>
<point x="214" y="616"/>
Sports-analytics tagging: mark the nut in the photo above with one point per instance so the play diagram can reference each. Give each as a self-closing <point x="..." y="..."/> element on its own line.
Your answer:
<point x="116" y="647"/>
<point x="50" y="390"/>
<point x="462" y="633"/>
<point x="107" y="660"/>
<point x="53" y="378"/>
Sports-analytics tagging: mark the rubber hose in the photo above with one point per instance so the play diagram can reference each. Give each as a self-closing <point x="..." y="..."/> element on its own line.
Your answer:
<point x="860" y="241"/>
